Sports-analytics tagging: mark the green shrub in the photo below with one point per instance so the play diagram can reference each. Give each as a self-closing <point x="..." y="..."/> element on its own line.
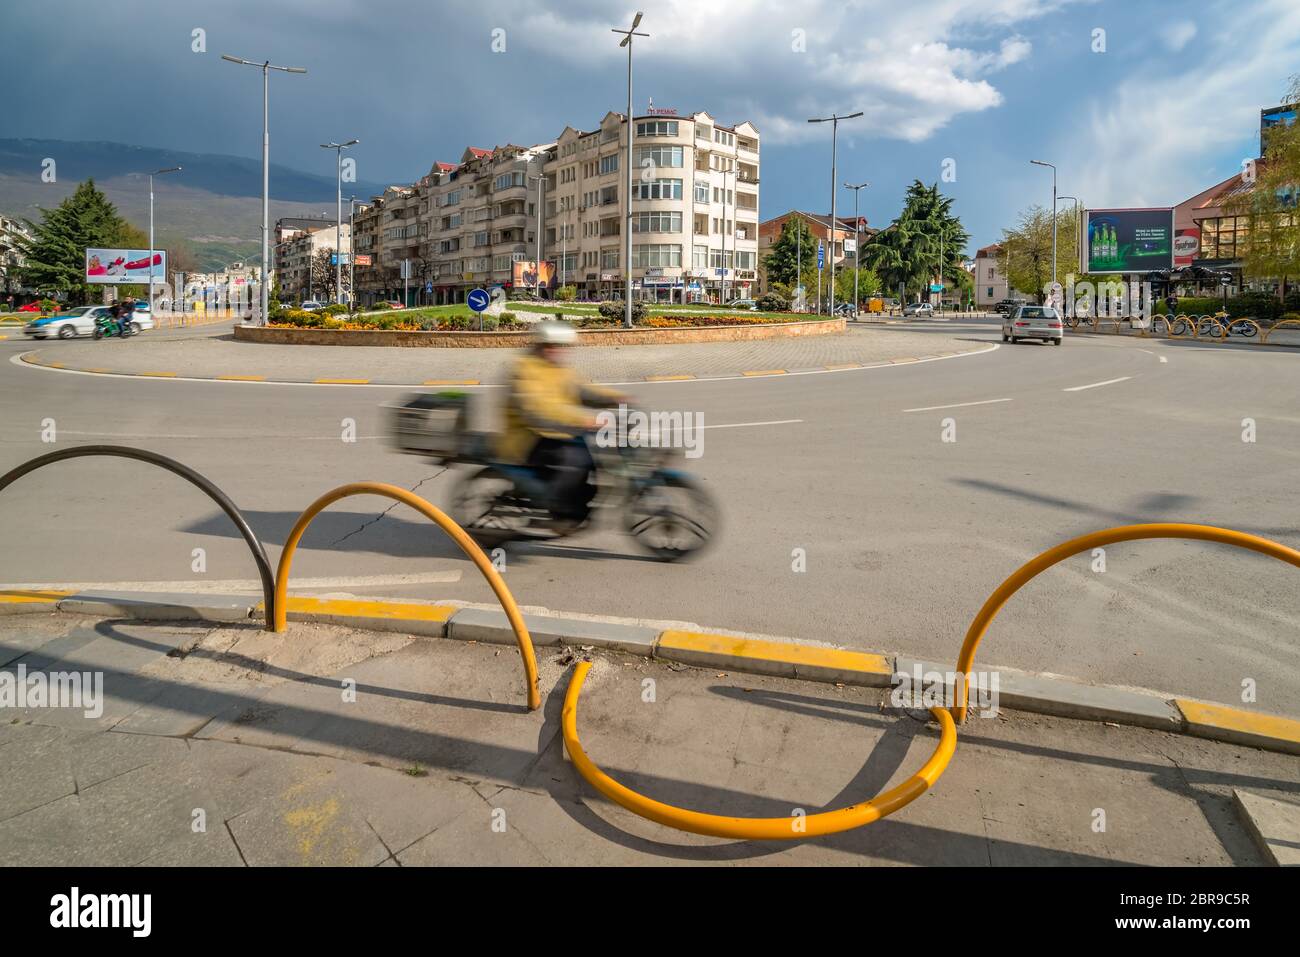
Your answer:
<point x="618" y="310"/>
<point x="771" y="302"/>
<point x="509" y="319"/>
<point x="566" y="293"/>
<point x="335" y="309"/>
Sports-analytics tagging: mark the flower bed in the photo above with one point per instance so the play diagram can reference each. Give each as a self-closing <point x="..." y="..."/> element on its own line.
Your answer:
<point x="397" y="321"/>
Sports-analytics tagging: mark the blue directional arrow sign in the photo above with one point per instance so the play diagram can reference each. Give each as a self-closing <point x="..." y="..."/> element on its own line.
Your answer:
<point x="821" y="255"/>
<point x="478" y="299"/>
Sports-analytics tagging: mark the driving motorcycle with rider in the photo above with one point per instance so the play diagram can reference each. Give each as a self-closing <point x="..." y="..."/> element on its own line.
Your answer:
<point x="549" y="469"/>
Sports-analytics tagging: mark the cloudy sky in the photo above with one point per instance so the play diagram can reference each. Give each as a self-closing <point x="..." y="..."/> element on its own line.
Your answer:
<point x="1162" y="104"/>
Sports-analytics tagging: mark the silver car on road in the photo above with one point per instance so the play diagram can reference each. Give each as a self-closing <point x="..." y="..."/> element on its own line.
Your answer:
<point x="1034" y="322"/>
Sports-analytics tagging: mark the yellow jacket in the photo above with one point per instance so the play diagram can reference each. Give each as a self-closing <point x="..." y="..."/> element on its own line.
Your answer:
<point x="546" y="401"/>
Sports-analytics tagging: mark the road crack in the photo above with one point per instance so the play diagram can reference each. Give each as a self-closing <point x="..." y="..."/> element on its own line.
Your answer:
<point x="364" y="525"/>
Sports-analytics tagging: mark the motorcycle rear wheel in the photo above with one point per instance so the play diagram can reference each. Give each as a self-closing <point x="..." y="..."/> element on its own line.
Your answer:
<point x="483" y="502"/>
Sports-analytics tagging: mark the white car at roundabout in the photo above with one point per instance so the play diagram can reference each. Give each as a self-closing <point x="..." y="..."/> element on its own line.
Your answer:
<point x="80" y="321"/>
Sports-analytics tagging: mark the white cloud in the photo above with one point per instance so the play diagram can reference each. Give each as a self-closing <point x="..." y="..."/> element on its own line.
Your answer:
<point x="1177" y="35"/>
<point x="1152" y="138"/>
<point x="911" y="67"/>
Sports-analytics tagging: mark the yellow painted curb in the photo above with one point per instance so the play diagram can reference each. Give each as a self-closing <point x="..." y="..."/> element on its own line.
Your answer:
<point x="27" y="597"/>
<point x="342" y="381"/>
<point x="451" y="382"/>
<point x="356" y="611"/>
<point x="844" y="365"/>
<point x="765" y="372"/>
<point x="242" y="378"/>
<point x="14" y="602"/>
<point x="668" y="378"/>
<point x="157" y="375"/>
<point x="775" y="658"/>
<point x="1222" y="723"/>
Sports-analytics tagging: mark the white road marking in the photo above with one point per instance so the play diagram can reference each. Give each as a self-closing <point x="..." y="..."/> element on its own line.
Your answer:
<point x="251" y="585"/>
<point x="956" y="405"/>
<point x="17" y="360"/>
<point x="1097" y="385"/>
<point x="1164" y="358"/>
<point x="745" y="425"/>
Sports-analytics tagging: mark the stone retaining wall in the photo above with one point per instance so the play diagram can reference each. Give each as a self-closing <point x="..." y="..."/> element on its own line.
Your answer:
<point x="516" y="340"/>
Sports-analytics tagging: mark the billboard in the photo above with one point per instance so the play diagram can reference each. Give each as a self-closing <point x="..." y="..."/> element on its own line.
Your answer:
<point x="117" y="266"/>
<point x="1187" y="245"/>
<point x="526" y="274"/>
<point x="1127" y="240"/>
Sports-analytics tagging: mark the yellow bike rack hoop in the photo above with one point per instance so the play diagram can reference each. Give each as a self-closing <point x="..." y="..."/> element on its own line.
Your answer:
<point x="454" y="531"/>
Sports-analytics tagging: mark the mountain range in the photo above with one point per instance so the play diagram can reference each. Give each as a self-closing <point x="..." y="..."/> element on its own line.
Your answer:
<point x="214" y="204"/>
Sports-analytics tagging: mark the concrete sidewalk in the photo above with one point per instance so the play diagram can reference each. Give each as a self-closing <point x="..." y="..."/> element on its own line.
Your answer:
<point x="219" y="743"/>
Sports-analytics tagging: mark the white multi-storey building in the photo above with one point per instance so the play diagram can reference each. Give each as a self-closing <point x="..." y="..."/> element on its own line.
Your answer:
<point x="694" y="208"/>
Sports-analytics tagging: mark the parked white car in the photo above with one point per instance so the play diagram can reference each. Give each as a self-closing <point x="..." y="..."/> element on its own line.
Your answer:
<point x="80" y="321"/>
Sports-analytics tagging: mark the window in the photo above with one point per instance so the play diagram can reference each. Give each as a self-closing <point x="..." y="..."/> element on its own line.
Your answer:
<point x="609" y="259"/>
<point x="744" y="259"/>
<point x="702" y="192"/>
<point x="609" y="164"/>
<point x="480" y="239"/>
<point x="609" y="196"/>
<point x="656" y="255"/>
<point x="724" y="196"/>
<point x="509" y="180"/>
<point x="659" y="189"/>
<point x="500" y="263"/>
<point x="723" y="137"/>
<point x="699" y="257"/>
<point x="657" y="223"/>
<point x="670" y="156"/>
<point x="453" y="198"/>
<point x="657" y="128"/>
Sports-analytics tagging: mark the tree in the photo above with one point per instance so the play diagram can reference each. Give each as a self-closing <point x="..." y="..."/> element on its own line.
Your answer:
<point x="1026" y="254"/>
<point x="868" y="282"/>
<point x="56" y="252"/>
<point x="1270" y="248"/>
<point x="323" y="275"/>
<point x="924" y="244"/>
<point x="783" y="262"/>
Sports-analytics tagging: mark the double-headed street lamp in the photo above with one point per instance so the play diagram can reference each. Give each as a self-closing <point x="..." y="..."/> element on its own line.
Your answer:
<point x="834" y="120"/>
<point x="158" y="172"/>
<point x="338" y="220"/>
<point x="628" y="34"/>
<point x="857" y="238"/>
<point x="265" y="67"/>
<point x="1053" y="169"/>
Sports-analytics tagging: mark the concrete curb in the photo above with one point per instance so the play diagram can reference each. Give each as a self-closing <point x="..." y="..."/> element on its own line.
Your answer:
<point x="32" y="359"/>
<point x="663" y="641"/>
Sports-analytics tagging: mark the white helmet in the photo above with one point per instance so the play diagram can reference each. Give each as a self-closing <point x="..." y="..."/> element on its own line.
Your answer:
<point x="552" y="332"/>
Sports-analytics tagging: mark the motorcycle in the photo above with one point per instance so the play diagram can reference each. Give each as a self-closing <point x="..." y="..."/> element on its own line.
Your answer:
<point x="663" y="509"/>
<point x="107" y="326"/>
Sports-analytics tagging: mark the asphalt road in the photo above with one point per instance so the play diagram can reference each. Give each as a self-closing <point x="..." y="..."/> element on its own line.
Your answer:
<point x="905" y="534"/>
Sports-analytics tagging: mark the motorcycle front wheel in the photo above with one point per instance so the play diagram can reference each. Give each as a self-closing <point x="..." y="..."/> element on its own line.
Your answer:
<point x="98" y="333"/>
<point x="672" y="518"/>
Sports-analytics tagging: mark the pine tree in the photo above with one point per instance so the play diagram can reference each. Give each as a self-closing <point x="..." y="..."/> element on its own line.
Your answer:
<point x="907" y="252"/>
<point x="56" y="253"/>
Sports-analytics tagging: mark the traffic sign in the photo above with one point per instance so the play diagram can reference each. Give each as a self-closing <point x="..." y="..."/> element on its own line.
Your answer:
<point x="428" y="287"/>
<point x="478" y="299"/>
<point x="936" y="287"/>
<point x="821" y="255"/>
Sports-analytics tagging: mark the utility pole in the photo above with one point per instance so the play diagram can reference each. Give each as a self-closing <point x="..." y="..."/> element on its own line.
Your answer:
<point x="857" y="239"/>
<point x="266" y="164"/>
<point x="170" y="169"/>
<point x="834" y="120"/>
<point x="627" y="225"/>
<point x="1053" y="168"/>
<point x="338" y="220"/>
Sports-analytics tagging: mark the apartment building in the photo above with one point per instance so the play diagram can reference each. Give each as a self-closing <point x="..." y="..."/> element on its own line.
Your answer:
<point x="293" y="258"/>
<point x="467" y="224"/>
<point x="842" y="243"/>
<point x="990" y="285"/>
<point x="694" y="208"/>
<point x="12" y="234"/>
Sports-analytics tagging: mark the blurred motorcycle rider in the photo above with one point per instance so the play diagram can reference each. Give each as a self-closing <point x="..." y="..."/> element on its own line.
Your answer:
<point x="124" y="315"/>
<point x="548" y="407"/>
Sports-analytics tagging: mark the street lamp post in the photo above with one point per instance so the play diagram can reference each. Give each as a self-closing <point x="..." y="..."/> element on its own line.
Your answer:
<point x="834" y="120"/>
<point x="338" y="219"/>
<point x="628" y="34"/>
<point x="857" y="239"/>
<point x="1053" y="168"/>
<point x="352" y="253"/>
<point x="265" y="67"/>
<point x="159" y="172"/>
